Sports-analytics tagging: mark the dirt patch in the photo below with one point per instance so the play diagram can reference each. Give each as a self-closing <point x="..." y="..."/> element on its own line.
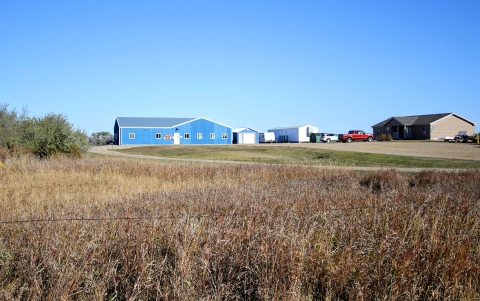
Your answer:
<point x="449" y="150"/>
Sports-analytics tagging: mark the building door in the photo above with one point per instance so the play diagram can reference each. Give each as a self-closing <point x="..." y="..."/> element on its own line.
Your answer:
<point x="408" y="132"/>
<point x="401" y="132"/>
<point x="247" y="138"/>
<point x="395" y="132"/>
<point x="176" y="138"/>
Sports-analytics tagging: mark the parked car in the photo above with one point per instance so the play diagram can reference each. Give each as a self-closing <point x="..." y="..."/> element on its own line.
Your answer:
<point x="111" y="141"/>
<point x="355" y="135"/>
<point x="328" y="137"/>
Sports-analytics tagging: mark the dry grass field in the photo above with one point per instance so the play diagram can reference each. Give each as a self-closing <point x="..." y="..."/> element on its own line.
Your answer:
<point x="125" y="229"/>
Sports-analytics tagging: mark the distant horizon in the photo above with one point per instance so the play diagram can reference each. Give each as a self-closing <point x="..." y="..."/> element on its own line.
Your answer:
<point x="334" y="65"/>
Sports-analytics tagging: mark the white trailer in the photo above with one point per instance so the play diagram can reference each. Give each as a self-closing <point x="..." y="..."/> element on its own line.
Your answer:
<point x="267" y="137"/>
<point x="294" y="133"/>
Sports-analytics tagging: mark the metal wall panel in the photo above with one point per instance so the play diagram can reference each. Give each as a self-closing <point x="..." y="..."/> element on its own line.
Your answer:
<point x="293" y="134"/>
<point x="199" y="126"/>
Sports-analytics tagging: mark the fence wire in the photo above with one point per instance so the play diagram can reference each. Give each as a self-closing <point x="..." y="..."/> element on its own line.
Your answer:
<point x="195" y="216"/>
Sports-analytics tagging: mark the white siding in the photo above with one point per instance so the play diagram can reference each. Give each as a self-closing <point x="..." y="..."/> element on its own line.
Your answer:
<point x="449" y="126"/>
<point x="294" y="134"/>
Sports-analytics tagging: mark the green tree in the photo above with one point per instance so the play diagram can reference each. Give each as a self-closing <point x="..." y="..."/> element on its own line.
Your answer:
<point x="9" y="125"/>
<point x="80" y="140"/>
<point x="54" y="134"/>
<point x="43" y="136"/>
<point x="100" y="138"/>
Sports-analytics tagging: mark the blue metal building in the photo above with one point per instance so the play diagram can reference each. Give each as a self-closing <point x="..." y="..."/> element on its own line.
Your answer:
<point x="151" y="130"/>
<point x="245" y="136"/>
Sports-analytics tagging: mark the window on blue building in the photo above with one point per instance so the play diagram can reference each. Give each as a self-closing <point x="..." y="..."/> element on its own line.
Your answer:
<point x="199" y="136"/>
<point x="224" y="136"/>
<point x="212" y="135"/>
<point x="158" y="136"/>
<point x="186" y="136"/>
<point x="131" y="135"/>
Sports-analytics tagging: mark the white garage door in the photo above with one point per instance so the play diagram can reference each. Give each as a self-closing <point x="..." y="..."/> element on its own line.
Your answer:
<point x="248" y="138"/>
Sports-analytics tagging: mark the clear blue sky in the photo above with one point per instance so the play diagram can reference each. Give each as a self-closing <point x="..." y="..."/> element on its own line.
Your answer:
<point x="337" y="65"/>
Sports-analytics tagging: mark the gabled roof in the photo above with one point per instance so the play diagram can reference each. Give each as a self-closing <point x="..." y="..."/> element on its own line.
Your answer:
<point x="151" y="122"/>
<point x="407" y="120"/>
<point x="156" y="122"/>
<point x="382" y="123"/>
<point x="464" y="119"/>
<point x="418" y="119"/>
<point x="427" y="119"/>
<point x="238" y="130"/>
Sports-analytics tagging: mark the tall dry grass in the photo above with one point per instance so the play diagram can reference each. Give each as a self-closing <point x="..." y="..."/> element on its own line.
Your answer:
<point x="112" y="229"/>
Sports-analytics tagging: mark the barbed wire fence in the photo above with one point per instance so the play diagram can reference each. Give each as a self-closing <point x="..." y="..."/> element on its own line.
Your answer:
<point x="196" y="216"/>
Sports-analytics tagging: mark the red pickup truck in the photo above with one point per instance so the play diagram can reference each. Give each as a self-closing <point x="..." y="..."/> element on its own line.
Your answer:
<point x="355" y="135"/>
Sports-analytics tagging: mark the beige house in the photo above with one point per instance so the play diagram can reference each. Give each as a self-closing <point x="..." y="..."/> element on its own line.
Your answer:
<point x="424" y="127"/>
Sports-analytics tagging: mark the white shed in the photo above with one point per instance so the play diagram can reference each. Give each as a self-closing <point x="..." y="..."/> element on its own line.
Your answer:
<point x="245" y="136"/>
<point x="294" y="133"/>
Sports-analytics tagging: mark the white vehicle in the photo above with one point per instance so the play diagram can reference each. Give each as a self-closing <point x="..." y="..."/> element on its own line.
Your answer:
<point x="327" y="138"/>
<point x="267" y="137"/>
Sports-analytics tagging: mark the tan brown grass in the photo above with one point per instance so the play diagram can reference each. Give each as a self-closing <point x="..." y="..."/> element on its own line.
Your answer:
<point x="106" y="229"/>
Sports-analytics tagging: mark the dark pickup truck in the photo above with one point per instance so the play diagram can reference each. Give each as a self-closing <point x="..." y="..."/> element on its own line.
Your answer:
<point x="464" y="137"/>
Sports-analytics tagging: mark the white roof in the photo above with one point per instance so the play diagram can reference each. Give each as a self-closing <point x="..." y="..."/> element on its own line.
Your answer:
<point x="237" y="130"/>
<point x="292" y="127"/>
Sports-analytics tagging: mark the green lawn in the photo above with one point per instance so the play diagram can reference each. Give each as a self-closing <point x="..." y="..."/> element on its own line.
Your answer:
<point x="296" y="155"/>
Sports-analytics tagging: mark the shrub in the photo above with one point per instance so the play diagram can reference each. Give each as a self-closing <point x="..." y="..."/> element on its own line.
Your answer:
<point x="384" y="137"/>
<point x="43" y="136"/>
<point x="381" y="180"/>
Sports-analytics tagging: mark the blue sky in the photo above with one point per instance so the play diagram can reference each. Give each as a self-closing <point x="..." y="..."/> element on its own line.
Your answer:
<point x="337" y="65"/>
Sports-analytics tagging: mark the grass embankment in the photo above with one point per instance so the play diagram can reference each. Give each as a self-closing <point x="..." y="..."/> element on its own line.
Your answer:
<point x="116" y="229"/>
<point x="296" y="155"/>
